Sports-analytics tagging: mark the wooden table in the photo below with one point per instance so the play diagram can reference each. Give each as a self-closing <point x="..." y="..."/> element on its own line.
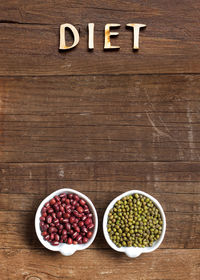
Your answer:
<point x="101" y="123"/>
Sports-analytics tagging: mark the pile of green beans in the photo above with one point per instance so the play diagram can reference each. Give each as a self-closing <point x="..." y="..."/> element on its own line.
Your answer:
<point x="134" y="221"/>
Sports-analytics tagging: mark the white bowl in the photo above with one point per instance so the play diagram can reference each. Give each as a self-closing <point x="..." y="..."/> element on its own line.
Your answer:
<point x="133" y="252"/>
<point x="63" y="248"/>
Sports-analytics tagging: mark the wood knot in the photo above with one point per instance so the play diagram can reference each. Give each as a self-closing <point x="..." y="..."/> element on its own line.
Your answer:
<point x="33" y="278"/>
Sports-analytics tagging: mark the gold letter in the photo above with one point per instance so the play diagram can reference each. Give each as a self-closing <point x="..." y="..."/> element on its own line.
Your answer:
<point x="136" y="28"/>
<point x="107" y="44"/>
<point x="62" y="36"/>
<point x="91" y="36"/>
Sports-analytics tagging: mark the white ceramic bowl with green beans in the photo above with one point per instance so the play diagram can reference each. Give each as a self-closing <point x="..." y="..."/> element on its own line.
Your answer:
<point x="134" y="223"/>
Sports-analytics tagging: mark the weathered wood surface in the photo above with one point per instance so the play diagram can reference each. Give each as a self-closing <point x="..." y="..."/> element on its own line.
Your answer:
<point x="100" y="118"/>
<point x="81" y="119"/>
<point x="170" y="43"/>
<point x="162" y="265"/>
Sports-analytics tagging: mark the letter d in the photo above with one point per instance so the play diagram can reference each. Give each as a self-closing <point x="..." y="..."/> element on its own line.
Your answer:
<point x="62" y="36"/>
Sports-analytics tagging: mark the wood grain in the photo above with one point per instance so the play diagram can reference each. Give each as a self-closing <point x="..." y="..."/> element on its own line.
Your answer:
<point x="109" y="265"/>
<point x="102" y="123"/>
<point x="53" y="120"/>
<point x="170" y="44"/>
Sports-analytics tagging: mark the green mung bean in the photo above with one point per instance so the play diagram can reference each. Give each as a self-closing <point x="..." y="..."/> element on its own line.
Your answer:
<point x="134" y="221"/>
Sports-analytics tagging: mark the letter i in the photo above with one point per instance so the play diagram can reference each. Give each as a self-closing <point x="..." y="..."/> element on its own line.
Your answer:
<point x="90" y="36"/>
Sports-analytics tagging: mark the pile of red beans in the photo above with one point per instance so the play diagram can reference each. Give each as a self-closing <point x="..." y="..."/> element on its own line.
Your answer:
<point x="66" y="219"/>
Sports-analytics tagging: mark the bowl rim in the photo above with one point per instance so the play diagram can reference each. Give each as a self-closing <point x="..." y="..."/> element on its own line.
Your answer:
<point x="140" y="250"/>
<point x="62" y="247"/>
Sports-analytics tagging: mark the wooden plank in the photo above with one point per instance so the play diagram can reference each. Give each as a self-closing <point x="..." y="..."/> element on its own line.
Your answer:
<point x="175" y="185"/>
<point x="170" y="44"/>
<point x="183" y="203"/>
<point x="17" y="230"/>
<point x="138" y="172"/>
<point x="161" y="264"/>
<point x="126" y="118"/>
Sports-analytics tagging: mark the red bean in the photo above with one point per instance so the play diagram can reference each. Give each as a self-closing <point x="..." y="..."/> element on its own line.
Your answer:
<point x="86" y="211"/>
<point x="89" y="234"/>
<point x="72" y="219"/>
<point x="53" y="215"/>
<point x="47" y="237"/>
<point x="90" y="226"/>
<point x="57" y="198"/>
<point x="41" y="223"/>
<point x="67" y="201"/>
<point x="74" y="235"/>
<point x="62" y="195"/>
<point x="56" y="208"/>
<point x="56" y="220"/>
<point x="73" y="203"/>
<point x="84" y="229"/>
<point x="68" y="226"/>
<point x="77" y="229"/>
<point x="44" y="209"/>
<point x="47" y="204"/>
<point x="57" y="237"/>
<point x="65" y="221"/>
<point x="66" y="215"/>
<point x="76" y="197"/>
<point x="49" y="219"/>
<point x="50" y="210"/>
<point x="52" y="236"/>
<point x="55" y="243"/>
<point x="52" y="229"/>
<point x="57" y="225"/>
<point x="52" y="201"/>
<point x="62" y="209"/>
<point x="88" y="221"/>
<point x="63" y="199"/>
<point x="68" y="206"/>
<point x="76" y="213"/>
<point x="80" y="209"/>
<point x="60" y="226"/>
<point x="44" y="214"/>
<point x="81" y="223"/>
<point x="45" y="227"/>
<point x="64" y="232"/>
<point x="78" y="238"/>
<point x="59" y="215"/>
<point x="84" y="218"/>
<point x="64" y="237"/>
<point x="69" y="240"/>
<point x="85" y="239"/>
<point x="82" y="202"/>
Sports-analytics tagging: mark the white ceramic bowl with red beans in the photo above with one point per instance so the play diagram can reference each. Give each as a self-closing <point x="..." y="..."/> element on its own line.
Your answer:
<point x="69" y="245"/>
<point x="134" y="252"/>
